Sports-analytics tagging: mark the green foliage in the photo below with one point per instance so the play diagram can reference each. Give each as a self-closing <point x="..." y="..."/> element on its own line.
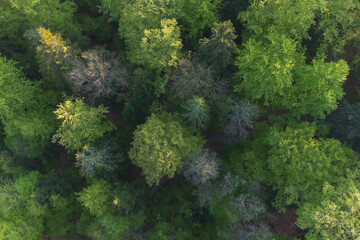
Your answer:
<point x="160" y="47"/>
<point x="197" y="15"/>
<point x="53" y="55"/>
<point x="20" y="215"/>
<point x="111" y="227"/>
<point x="136" y="16"/>
<point x="59" y="219"/>
<point x="97" y="198"/>
<point x="20" y="15"/>
<point x="283" y="17"/>
<point x="317" y="88"/>
<point x="266" y="67"/>
<point x="50" y="185"/>
<point x="19" y="230"/>
<point x="159" y="146"/>
<point x="82" y="124"/>
<point x="217" y="52"/>
<point x="56" y="14"/>
<point x="338" y="24"/>
<point x="300" y="164"/>
<point x="130" y="197"/>
<point x="142" y="95"/>
<point x="336" y="213"/>
<point x="196" y="112"/>
<point x="24" y="111"/>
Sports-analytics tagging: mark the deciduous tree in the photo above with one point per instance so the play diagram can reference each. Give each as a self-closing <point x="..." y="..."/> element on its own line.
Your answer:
<point x="99" y="75"/>
<point x="159" y="146"/>
<point x="81" y="124"/>
<point x="218" y="50"/>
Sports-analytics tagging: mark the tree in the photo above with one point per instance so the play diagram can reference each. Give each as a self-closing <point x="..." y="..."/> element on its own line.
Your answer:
<point x="317" y="88"/>
<point x="58" y="15"/>
<point x="283" y="17"/>
<point x="99" y="75"/>
<point x="194" y="79"/>
<point x="82" y="124"/>
<point x="21" y="216"/>
<point x="19" y="230"/>
<point x="239" y="118"/>
<point x="218" y="51"/>
<point x="101" y="155"/>
<point x="110" y="227"/>
<point x="50" y="185"/>
<point x="201" y="166"/>
<point x="335" y="213"/>
<point x="54" y="56"/>
<point x="339" y="23"/>
<point x="97" y="198"/>
<point x="159" y="146"/>
<point x="21" y="15"/>
<point x="142" y="95"/>
<point x="196" y="112"/>
<point x="129" y="198"/>
<point x="300" y="164"/>
<point x="160" y="47"/>
<point x="25" y="111"/>
<point x="135" y="17"/>
<point x="266" y="66"/>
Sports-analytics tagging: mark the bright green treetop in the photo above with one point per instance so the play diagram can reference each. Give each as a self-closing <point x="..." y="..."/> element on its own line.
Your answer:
<point x="97" y="198"/>
<point x="81" y="124"/>
<point x="159" y="146"/>
<point x="266" y="67"/>
<point x="335" y="215"/>
<point x="317" y="88"/>
<point x="160" y="48"/>
<point x="292" y="18"/>
<point x="300" y="164"/>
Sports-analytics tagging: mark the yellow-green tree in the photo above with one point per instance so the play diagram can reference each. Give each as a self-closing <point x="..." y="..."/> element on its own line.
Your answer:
<point x="81" y="124"/>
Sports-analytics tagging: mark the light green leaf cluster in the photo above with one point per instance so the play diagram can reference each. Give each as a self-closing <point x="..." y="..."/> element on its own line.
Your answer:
<point x="281" y="17"/>
<point x="81" y="124"/>
<point x="22" y="109"/>
<point x="266" y="67"/>
<point x="317" y="88"/>
<point x="97" y="198"/>
<point x="300" y="164"/>
<point x="336" y="213"/>
<point x="21" y="215"/>
<point x="159" y="146"/>
<point x="57" y="15"/>
<point x="160" y="48"/>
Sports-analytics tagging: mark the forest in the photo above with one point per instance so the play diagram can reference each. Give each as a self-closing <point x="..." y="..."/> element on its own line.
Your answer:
<point x="179" y="119"/>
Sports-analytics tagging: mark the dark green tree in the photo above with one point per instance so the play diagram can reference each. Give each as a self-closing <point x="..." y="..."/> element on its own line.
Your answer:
<point x="218" y="50"/>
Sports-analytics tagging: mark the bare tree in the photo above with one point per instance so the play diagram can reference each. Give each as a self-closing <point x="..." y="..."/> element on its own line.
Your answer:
<point x="192" y="78"/>
<point x="201" y="166"/>
<point x="99" y="74"/>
